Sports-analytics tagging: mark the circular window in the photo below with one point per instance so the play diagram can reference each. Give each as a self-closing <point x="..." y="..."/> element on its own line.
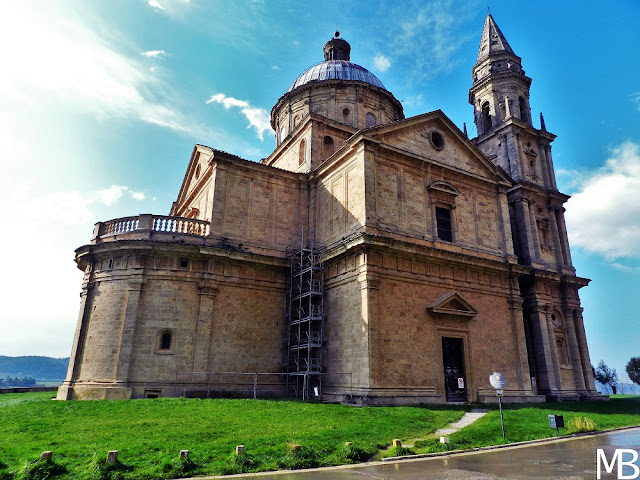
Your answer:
<point x="346" y="112"/>
<point x="437" y="140"/>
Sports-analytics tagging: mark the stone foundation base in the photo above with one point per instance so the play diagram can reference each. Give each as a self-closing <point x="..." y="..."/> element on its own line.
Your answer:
<point x="93" y="392"/>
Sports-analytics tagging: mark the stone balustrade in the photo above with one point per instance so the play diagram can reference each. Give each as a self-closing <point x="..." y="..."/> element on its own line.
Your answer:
<point x="146" y="226"/>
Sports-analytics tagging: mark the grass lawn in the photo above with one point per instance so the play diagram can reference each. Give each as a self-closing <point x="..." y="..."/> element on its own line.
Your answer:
<point x="530" y="421"/>
<point x="149" y="434"/>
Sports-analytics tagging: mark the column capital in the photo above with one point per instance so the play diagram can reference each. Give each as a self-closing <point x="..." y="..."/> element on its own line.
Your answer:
<point x="368" y="282"/>
<point x="206" y="288"/>
<point x="135" y="284"/>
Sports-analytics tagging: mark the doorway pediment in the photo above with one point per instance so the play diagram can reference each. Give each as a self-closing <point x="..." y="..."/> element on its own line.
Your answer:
<point x="452" y="304"/>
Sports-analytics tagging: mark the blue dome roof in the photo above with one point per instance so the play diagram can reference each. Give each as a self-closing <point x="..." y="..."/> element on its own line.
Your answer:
<point x="336" y="70"/>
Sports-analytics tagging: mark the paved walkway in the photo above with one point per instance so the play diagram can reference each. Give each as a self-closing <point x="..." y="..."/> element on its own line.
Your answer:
<point x="467" y="419"/>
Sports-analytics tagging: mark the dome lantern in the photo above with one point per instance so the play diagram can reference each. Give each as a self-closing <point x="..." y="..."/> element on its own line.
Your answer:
<point x="337" y="49"/>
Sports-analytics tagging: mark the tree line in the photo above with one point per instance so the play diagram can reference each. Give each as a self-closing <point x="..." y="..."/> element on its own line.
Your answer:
<point x="17" y="382"/>
<point x="608" y="376"/>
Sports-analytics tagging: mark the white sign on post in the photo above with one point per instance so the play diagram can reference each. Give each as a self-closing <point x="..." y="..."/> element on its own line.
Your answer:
<point x="460" y="382"/>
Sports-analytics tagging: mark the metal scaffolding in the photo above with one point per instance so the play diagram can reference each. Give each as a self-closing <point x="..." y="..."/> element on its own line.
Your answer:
<point x="304" y="315"/>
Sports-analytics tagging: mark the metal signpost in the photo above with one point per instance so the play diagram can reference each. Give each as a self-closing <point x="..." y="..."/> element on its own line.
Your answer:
<point x="498" y="382"/>
<point x="557" y="422"/>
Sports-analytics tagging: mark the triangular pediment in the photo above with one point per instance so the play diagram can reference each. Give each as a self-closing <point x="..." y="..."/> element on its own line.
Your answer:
<point x="198" y="172"/>
<point x="435" y="138"/>
<point x="453" y="304"/>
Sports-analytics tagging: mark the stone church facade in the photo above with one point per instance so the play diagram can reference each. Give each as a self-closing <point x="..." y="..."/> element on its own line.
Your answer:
<point x="370" y="258"/>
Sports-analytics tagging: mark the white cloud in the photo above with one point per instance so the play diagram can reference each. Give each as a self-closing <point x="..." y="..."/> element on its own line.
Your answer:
<point x="258" y="117"/>
<point x="428" y="36"/>
<point x="635" y="97"/>
<point x="155" y="4"/>
<point x="44" y="228"/>
<point x="413" y="100"/>
<point x="169" y="7"/>
<point x="381" y="63"/>
<point x="111" y="195"/>
<point x="275" y="67"/>
<point x="62" y="59"/>
<point x="604" y="216"/>
<point x="154" y="53"/>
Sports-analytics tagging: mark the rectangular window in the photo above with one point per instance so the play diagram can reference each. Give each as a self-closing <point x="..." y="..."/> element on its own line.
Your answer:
<point x="443" y="222"/>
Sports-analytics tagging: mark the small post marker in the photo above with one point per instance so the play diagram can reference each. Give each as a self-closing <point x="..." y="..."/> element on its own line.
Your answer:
<point x="184" y="454"/>
<point x="348" y="444"/>
<point x="444" y="439"/>
<point x="239" y="449"/>
<point x="397" y="443"/>
<point x="294" y="447"/>
<point x="498" y="382"/>
<point x="46" y="456"/>
<point x="112" y="456"/>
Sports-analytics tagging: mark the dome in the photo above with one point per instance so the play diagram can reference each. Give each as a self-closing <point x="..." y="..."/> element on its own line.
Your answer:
<point x="336" y="70"/>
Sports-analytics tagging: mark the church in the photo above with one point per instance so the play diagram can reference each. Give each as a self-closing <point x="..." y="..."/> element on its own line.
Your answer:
<point x="370" y="258"/>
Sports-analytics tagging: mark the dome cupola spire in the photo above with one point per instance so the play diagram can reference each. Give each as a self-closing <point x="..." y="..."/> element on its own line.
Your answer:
<point x="337" y="49"/>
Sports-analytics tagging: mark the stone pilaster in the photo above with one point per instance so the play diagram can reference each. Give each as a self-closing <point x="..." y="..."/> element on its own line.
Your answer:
<point x="584" y="350"/>
<point x="555" y="363"/>
<point x="202" y="334"/>
<point x="369" y="311"/>
<point x="65" y="392"/>
<point x="535" y="253"/>
<point x="574" y="351"/>
<point x="543" y="349"/>
<point x="556" y="235"/>
<point x="123" y="364"/>
<point x="563" y="236"/>
<point x="517" y="325"/>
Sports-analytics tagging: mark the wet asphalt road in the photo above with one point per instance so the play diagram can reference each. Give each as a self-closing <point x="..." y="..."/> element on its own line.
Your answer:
<point x="562" y="460"/>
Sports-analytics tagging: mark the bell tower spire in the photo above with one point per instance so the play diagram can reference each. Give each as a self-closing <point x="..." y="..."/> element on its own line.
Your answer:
<point x="500" y="88"/>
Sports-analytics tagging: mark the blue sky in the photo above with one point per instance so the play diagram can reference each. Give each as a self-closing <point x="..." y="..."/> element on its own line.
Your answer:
<point x="101" y="103"/>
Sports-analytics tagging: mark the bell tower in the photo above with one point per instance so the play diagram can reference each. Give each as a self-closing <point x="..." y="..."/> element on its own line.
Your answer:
<point x="556" y="344"/>
<point x="500" y="88"/>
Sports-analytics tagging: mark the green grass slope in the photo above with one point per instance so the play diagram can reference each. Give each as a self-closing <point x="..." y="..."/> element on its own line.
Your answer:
<point x="150" y="433"/>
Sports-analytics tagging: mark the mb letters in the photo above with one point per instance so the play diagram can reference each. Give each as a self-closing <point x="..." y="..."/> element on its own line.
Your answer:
<point x="621" y="456"/>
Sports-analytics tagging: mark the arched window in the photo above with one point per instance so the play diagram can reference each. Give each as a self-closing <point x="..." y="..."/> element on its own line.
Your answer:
<point x="165" y="341"/>
<point x="303" y="152"/>
<point x="327" y="146"/>
<point x="486" y="117"/>
<point x="370" y="120"/>
<point x="524" y="114"/>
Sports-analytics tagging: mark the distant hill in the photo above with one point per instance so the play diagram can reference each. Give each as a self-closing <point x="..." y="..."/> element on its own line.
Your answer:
<point x="43" y="369"/>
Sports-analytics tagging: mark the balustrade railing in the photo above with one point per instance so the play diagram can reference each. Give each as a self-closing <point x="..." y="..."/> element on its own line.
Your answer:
<point x="119" y="225"/>
<point x="153" y="223"/>
<point x="180" y="225"/>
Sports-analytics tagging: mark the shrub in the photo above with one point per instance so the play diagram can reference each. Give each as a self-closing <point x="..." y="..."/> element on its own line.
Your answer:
<point x="4" y="474"/>
<point x="99" y="469"/>
<point x="398" y="452"/>
<point x="580" y="425"/>
<point x="355" y="454"/>
<point x="239" y="464"/>
<point x="41" y="470"/>
<point x="179" y="468"/>
<point x="296" y="459"/>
